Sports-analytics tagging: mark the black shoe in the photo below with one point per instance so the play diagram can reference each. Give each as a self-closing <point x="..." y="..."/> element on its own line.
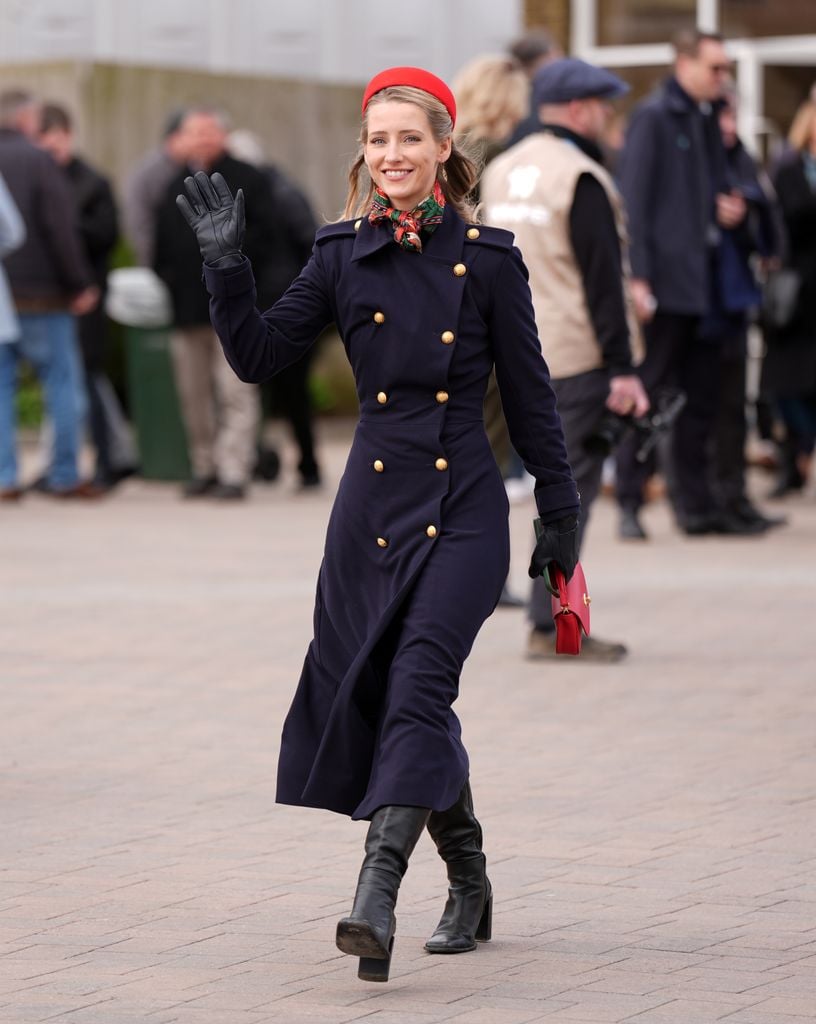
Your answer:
<point x="790" y="476"/>
<point x="468" y="913"/>
<point x="199" y="487"/>
<point x="310" y="481"/>
<point x="267" y="465"/>
<point x="108" y="479"/>
<point x="368" y="931"/>
<point x="751" y="514"/>
<point x="629" y="527"/>
<point x="737" y="526"/>
<point x="229" y="492"/>
<point x="698" y="525"/>
<point x="725" y="524"/>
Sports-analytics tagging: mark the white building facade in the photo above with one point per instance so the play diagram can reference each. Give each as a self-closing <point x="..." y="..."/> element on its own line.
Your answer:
<point x="329" y="41"/>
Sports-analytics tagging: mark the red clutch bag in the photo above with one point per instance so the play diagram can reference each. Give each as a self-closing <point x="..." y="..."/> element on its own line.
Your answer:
<point x="570" y="607"/>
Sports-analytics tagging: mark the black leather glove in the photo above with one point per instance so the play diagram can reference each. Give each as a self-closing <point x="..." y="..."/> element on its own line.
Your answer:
<point x="557" y="542"/>
<point x="216" y="217"/>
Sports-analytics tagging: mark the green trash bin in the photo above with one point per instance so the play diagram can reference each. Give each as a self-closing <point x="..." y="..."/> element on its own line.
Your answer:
<point x="154" y="405"/>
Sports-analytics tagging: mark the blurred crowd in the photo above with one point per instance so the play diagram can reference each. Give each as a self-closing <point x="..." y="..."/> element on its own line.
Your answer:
<point x="659" y="250"/>
<point x="59" y="226"/>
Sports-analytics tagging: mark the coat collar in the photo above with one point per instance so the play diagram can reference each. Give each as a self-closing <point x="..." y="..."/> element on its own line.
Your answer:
<point x="679" y="101"/>
<point x="444" y="244"/>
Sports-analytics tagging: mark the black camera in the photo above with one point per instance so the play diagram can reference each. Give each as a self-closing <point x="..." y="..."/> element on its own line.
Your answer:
<point x="612" y="428"/>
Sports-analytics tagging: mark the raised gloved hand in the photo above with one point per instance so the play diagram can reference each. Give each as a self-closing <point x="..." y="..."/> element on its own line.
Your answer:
<point x="216" y="217"/>
<point x="557" y="542"/>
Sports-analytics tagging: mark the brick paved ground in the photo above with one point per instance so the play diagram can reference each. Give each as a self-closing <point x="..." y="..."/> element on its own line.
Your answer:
<point x="650" y="826"/>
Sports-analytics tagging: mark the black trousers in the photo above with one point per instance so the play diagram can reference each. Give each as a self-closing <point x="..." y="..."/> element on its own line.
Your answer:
<point x="728" y="454"/>
<point x="581" y="403"/>
<point x="676" y="358"/>
<point x="287" y="393"/>
<point x="92" y="331"/>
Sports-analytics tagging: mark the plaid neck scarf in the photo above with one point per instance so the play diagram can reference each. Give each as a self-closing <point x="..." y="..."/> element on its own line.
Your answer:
<point x="408" y="224"/>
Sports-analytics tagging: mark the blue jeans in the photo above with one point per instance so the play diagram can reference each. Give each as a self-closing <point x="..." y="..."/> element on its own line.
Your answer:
<point x="48" y="342"/>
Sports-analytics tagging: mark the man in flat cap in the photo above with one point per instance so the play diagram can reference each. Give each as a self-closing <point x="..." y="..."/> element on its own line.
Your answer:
<point x="552" y="191"/>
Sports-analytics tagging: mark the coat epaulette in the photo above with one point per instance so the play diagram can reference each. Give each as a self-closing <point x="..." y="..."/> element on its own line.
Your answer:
<point x="496" y="238"/>
<point x="341" y="229"/>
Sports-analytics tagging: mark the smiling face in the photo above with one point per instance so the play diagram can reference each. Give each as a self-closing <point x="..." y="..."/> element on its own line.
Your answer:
<point x="401" y="153"/>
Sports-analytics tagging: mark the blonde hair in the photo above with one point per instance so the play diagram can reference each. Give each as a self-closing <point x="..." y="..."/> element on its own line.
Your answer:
<point x="800" y="135"/>
<point x="457" y="176"/>
<point x="492" y="96"/>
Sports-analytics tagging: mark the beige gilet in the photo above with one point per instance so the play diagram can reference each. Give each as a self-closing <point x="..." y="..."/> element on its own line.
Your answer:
<point x="529" y="190"/>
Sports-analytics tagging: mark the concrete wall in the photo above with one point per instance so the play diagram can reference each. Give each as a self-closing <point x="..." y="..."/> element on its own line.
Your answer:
<point x="308" y="129"/>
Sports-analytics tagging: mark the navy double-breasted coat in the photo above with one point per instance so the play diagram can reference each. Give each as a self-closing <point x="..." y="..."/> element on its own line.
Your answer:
<point x="417" y="542"/>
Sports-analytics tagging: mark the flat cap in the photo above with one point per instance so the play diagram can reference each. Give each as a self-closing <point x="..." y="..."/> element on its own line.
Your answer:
<point x="571" y="79"/>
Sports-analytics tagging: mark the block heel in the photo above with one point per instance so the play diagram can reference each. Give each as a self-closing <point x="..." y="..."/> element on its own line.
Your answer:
<point x="484" y="931"/>
<point x="371" y="969"/>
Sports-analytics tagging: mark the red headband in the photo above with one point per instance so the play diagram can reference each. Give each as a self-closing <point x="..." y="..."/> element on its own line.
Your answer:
<point x="417" y="78"/>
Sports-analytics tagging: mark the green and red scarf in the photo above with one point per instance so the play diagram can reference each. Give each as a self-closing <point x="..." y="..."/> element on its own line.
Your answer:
<point x="409" y="224"/>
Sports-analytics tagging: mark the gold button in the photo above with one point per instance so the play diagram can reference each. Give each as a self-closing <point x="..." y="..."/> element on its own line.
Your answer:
<point x="473" y="233"/>
<point x="441" y="464"/>
<point x="382" y="542"/>
<point x="382" y="397"/>
<point x="379" y="465"/>
<point x="431" y="532"/>
<point x="460" y="270"/>
<point x="447" y="337"/>
<point x="442" y="396"/>
<point x="379" y="318"/>
<point x="357" y="224"/>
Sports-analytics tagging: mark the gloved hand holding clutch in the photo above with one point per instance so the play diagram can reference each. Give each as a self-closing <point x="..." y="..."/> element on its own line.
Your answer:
<point x="557" y="542"/>
<point x="216" y="217"/>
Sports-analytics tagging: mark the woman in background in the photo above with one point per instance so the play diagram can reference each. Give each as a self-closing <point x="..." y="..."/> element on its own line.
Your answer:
<point x="492" y="98"/>
<point x="789" y="371"/>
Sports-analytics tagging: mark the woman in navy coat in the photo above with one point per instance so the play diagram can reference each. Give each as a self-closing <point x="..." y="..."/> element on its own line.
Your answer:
<point x="417" y="544"/>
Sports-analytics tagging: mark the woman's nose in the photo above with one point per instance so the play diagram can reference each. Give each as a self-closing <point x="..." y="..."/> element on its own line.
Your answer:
<point x="392" y="153"/>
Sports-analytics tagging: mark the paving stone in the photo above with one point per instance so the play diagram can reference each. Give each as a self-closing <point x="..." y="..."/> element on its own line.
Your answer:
<point x="648" y="825"/>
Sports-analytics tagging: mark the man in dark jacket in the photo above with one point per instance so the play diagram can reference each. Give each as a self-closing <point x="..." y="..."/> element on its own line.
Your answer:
<point x="675" y="183"/>
<point x="220" y="412"/>
<point x="97" y="223"/>
<point x="50" y="283"/>
<point x="146" y="185"/>
<point x="288" y="392"/>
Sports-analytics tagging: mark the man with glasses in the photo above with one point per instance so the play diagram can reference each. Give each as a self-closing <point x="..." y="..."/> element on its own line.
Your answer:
<point x="674" y="180"/>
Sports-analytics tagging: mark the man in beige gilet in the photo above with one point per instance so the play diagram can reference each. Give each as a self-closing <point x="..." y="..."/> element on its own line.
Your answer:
<point x="552" y="191"/>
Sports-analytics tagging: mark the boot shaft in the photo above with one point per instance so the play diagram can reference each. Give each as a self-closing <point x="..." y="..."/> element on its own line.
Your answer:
<point x="456" y="832"/>
<point x="392" y="835"/>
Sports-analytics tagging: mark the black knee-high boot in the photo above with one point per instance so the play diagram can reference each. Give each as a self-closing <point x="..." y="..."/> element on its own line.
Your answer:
<point x="368" y="931"/>
<point x="469" y="910"/>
